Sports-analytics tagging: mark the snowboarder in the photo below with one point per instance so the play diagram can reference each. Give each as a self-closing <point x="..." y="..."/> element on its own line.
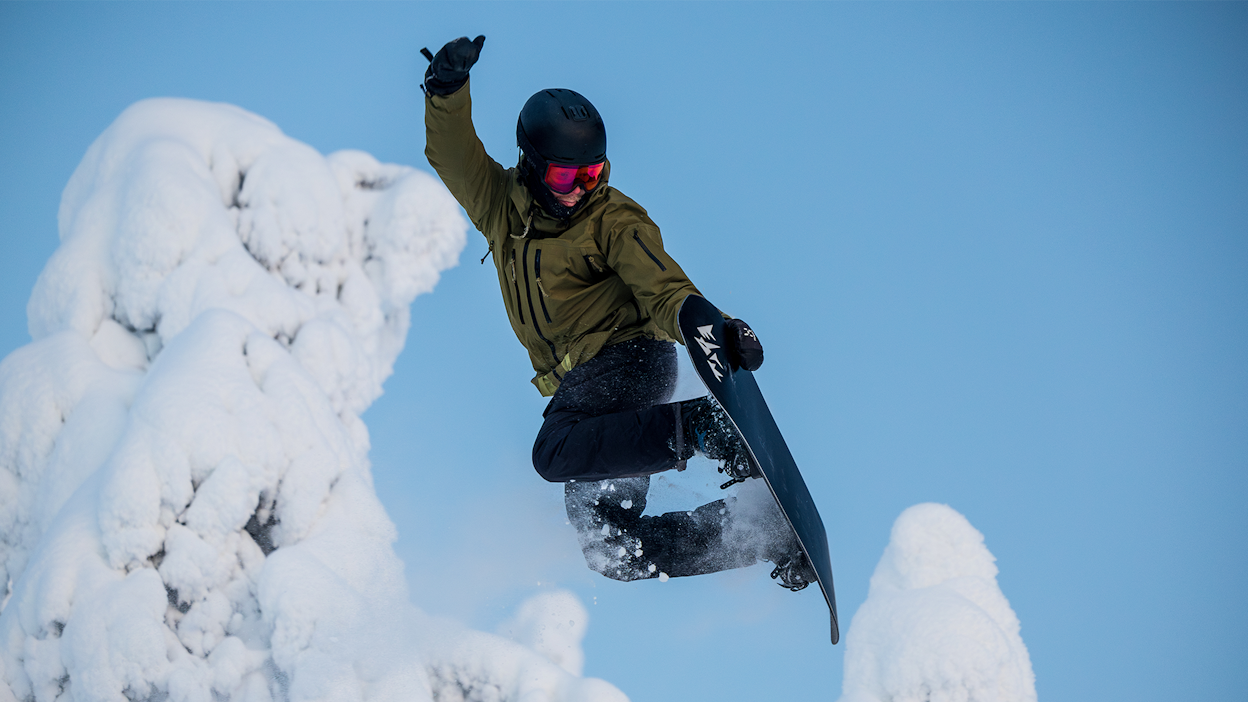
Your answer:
<point x="593" y="297"/>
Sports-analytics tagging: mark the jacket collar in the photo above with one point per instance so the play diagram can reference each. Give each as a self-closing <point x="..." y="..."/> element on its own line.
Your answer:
<point x="539" y="224"/>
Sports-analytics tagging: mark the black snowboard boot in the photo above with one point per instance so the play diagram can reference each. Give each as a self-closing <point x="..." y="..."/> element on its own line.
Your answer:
<point x="709" y="431"/>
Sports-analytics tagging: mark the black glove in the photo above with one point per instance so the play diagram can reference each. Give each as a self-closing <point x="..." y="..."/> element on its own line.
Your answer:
<point x="744" y="349"/>
<point x="448" y="70"/>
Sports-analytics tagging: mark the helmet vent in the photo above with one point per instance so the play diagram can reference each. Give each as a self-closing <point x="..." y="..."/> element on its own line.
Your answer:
<point x="576" y="113"/>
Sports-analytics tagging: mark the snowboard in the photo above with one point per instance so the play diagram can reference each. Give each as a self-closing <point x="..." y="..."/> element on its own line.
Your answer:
<point x="702" y="326"/>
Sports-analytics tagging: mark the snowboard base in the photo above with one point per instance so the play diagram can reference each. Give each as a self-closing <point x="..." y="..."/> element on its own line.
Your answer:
<point x="702" y="326"/>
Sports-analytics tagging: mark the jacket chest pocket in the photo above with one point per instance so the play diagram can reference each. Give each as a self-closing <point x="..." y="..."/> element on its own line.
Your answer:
<point x="562" y="270"/>
<point x="592" y="268"/>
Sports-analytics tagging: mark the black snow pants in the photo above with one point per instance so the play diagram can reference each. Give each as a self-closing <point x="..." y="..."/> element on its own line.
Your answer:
<point x="606" y="430"/>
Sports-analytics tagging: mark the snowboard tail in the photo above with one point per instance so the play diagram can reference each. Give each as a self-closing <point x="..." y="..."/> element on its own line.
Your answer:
<point x="702" y="326"/>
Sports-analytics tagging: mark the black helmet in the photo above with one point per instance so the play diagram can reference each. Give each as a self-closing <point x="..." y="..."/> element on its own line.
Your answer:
<point x="558" y="126"/>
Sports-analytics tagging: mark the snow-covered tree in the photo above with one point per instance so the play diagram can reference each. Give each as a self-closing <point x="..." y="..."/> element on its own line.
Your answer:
<point x="186" y="505"/>
<point x="936" y="626"/>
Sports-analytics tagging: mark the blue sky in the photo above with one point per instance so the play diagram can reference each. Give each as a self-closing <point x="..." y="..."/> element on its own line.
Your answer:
<point x="997" y="253"/>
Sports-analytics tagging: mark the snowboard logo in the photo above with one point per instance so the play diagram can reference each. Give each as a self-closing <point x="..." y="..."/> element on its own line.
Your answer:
<point x="705" y="340"/>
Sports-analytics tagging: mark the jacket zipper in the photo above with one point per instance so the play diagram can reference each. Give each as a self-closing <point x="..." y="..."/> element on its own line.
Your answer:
<point x="516" y="282"/>
<point x="537" y="274"/>
<point x="528" y="291"/>
<point x="637" y="239"/>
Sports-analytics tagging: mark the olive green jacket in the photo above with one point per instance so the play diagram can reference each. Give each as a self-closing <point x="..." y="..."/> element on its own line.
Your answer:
<point x="570" y="287"/>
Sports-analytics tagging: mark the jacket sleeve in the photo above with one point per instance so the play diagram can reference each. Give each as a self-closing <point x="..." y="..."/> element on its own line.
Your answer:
<point x="477" y="181"/>
<point x="635" y="252"/>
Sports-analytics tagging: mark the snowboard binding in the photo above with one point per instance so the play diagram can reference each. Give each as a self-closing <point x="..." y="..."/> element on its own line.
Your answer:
<point x="793" y="573"/>
<point x="739" y="468"/>
<point x="713" y="435"/>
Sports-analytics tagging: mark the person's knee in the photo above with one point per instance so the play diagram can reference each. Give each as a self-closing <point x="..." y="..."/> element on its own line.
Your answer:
<point x="549" y="464"/>
<point x="548" y="444"/>
<point x="624" y="575"/>
<point x="613" y="559"/>
<point x="542" y="461"/>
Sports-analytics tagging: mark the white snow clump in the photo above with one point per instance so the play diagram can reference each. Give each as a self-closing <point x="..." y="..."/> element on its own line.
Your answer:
<point x="935" y="626"/>
<point x="553" y="624"/>
<point x="186" y="504"/>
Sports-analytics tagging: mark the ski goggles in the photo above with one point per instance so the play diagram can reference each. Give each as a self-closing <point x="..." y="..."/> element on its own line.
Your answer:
<point x="563" y="179"/>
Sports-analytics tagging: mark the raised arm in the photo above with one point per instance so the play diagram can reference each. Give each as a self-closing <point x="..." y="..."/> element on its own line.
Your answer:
<point x="477" y="181"/>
